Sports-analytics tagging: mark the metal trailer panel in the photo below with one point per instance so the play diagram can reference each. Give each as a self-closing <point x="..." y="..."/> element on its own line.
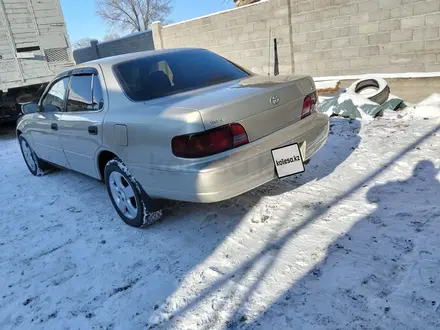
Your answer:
<point x="34" y="45"/>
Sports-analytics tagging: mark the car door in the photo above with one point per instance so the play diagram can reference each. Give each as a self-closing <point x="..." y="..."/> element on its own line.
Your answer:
<point x="80" y="127"/>
<point x="44" y="130"/>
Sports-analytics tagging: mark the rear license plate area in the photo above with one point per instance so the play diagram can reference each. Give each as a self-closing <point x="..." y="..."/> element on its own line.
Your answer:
<point x="288" y="160"/>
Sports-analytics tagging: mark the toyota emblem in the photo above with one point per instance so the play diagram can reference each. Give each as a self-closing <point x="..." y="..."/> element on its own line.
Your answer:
<point x="275" y="100"/>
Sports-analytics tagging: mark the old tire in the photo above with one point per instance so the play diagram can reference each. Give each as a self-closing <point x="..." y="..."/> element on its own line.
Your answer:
<point x="376" y="90"/>
<point x="130" y="200"/>
<point x="35" y="165"/>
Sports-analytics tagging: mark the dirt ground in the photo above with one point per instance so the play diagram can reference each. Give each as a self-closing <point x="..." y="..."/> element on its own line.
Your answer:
<point x="411" y="90"/>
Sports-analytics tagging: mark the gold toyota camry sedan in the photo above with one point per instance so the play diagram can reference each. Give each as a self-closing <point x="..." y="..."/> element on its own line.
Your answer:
<point x="177" y="124"/>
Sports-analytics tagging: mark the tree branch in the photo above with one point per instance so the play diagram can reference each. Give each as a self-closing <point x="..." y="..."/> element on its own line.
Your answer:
<point x="134" y="15"/>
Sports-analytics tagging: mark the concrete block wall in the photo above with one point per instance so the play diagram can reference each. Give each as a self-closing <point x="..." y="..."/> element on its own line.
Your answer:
<point x="135" y="42"/>
<point x="319" y="37"/>
<point x="84" y="54"/>
<point x="243" y="35"/>
<point x="341" y="37"/>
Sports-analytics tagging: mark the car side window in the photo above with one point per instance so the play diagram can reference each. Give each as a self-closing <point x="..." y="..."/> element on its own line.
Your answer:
<point x="55" y="99"/>
<point x="98" y="98"/>
<point x="80" y="94"/>
<point x="85" y="94"/>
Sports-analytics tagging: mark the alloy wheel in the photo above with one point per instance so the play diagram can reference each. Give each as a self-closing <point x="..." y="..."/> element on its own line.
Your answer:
<point x="123" y="195"/>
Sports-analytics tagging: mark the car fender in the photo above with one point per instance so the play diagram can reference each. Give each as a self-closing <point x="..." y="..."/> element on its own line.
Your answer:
<point x="98" y="153"/>
<point x="22" y="124"/>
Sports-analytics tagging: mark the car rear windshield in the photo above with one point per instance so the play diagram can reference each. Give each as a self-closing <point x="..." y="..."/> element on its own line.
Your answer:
<point x="160" y="75"/>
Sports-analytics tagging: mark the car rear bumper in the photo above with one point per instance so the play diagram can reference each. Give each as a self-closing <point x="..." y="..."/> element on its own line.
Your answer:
<point x="236" y="171"/>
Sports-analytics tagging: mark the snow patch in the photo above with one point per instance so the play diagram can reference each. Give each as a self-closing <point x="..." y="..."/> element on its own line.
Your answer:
<point x="323" y="98"/>
<point x="358" y="100"/>
<point x="432" y="100"/>
<point x="429" y="108"/>
<point x="329" y="111"/>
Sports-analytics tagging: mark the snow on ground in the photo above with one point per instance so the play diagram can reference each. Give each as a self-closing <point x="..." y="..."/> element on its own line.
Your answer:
<point x="352" y="243"/>
<point x="428" y="108"/>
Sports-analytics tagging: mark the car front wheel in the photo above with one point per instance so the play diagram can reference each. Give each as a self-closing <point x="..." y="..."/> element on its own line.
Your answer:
<point x="35" y="165"/>
<point x="131" y="202"/>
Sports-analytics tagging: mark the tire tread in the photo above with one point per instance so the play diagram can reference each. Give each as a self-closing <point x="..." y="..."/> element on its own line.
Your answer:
<point x="147" y="217"/>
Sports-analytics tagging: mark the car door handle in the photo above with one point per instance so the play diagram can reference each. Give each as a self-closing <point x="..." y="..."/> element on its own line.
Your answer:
<point x="54" y="126"/>
<point x="93" y="130"/>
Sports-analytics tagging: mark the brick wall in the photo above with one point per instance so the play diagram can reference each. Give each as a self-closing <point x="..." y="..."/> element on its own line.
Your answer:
<point x="328" y="37"/>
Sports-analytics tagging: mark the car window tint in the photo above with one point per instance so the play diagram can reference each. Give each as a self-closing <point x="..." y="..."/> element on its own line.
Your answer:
<point x="54" y="100"/>
<point x="165" y="74"/>
<point x="80" y="94"/>
<point x="98" y="99"/>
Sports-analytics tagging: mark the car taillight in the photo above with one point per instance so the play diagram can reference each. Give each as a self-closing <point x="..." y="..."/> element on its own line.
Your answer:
<point x="210" y="142"/>
<point x="239" y="135"/>
<point x="309" y="105"/>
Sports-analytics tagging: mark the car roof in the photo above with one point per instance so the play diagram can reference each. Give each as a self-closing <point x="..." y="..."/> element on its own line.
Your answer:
<point x="109" y="61"/>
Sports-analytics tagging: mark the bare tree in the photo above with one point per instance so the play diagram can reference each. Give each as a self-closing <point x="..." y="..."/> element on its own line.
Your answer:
<point x="111" y="36"/>
<point x="133" y="15"/>
<point x="81" y="43"/>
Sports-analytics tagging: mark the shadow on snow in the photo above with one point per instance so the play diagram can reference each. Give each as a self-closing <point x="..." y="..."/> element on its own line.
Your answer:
<point x="304" y="303"/>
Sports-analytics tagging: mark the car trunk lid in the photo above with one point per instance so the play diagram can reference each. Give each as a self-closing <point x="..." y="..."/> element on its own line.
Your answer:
<point x="262" y="105"/>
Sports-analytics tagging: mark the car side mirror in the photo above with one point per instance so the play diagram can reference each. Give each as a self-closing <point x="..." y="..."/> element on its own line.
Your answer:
<point x="29" y="108"/>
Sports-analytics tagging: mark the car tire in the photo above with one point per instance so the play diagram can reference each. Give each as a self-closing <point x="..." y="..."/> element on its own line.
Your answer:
<point x="129" y="199"/>
<point x="379" y="95"/>
<point x="35" y="165"/>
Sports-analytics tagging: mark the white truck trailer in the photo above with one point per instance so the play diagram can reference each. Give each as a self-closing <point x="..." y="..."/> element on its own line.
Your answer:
<point x="34" y="47"/>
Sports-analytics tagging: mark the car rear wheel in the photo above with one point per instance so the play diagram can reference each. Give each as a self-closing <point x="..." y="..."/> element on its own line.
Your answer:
<point x="35" y="165"/>
<point x="131" y="202"/>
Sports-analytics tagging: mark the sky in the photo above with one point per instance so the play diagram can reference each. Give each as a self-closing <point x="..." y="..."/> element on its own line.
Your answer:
<point x="82" y="21"/>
